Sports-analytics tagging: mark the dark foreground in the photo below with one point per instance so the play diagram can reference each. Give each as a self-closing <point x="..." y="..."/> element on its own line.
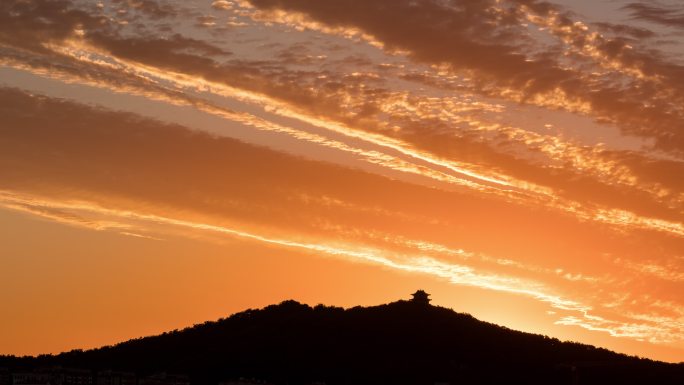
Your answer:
<point x="404" y="342"/>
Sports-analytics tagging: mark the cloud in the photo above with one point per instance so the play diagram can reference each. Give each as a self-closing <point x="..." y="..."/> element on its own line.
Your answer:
<point x="656" y="329"/>
<point x="667" y="15"/>
<point x="491" y="41"/>
<point x="149" y="8"/>
<point x="30" y="24"/>
<point x="222" y="4"/>
<point x="419" y="138"/>
<point x="626" y="30"/>
<point x="55" y="147"/>
<point x="467" y="34"/>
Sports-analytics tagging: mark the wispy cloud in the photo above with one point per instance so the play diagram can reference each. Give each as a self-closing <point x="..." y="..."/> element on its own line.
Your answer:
<point x="653" y="329"/>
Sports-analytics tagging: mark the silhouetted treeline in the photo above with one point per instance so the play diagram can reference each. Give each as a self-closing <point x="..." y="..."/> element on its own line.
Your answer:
<point x="57" y="375"/>
<point x="399" y="343"/>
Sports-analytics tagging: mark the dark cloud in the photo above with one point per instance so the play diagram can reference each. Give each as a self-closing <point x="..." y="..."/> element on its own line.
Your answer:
<point x="665" y="172"/>
<point x="297" y="54"/>
<point x="177" y="52"/>
<point x="626" y="30"/>
<point x="667" y="15"/>
<point x="29" y="24"/>
<point x="149" y="8"/>
<point x="466" y="34"/>
<point x="469" y="35"/>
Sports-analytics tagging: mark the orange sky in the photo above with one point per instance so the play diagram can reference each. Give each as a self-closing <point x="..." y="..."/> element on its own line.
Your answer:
<point x="167" y="163"/>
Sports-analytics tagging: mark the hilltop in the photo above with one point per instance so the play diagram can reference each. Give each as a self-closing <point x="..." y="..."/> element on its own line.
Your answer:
<point x="404" y="342"/>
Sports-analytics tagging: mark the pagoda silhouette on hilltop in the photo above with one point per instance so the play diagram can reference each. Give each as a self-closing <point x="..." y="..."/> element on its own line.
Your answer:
<point x="421" y="297"/>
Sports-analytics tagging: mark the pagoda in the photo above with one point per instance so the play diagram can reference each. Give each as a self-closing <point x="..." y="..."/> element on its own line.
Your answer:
<point x="421" y="297"/>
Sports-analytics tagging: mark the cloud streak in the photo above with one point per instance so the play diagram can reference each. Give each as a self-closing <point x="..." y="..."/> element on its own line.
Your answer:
<point x="660" y="330"/>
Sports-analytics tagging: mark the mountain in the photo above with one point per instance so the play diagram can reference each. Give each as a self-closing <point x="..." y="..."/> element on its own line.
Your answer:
<point x="404" y="342"/>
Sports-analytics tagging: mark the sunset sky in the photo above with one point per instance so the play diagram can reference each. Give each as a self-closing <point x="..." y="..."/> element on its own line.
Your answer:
<point x="164" y="163"/>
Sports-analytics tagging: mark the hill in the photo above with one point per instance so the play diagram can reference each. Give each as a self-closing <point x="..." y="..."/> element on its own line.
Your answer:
<point x="404" y="342"/>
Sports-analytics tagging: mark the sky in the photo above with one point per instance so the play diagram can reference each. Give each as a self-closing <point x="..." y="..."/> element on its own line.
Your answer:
<point x="164" y="163"/>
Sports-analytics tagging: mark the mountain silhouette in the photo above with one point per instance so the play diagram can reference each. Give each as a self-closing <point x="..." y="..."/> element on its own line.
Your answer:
<point x="404" y="342"/>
